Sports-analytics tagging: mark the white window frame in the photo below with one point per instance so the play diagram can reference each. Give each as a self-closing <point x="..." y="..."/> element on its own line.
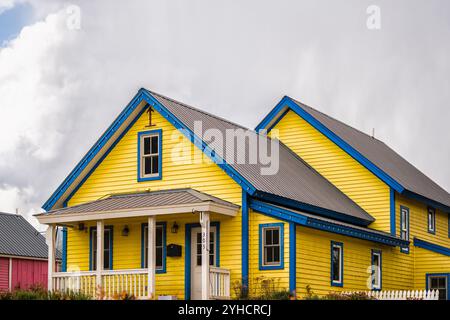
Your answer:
<point x="404" y="226"/>
<point x="377" y="270"/>
<point x="265" y="263"/>
<point x="431" y="216"/>
<point x="161" y="247"/>
<point x="340" y="247"/>
<point x="151" y="155"/>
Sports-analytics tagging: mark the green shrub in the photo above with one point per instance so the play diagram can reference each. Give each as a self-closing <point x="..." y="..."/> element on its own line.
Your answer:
<point x="40" y="293"/>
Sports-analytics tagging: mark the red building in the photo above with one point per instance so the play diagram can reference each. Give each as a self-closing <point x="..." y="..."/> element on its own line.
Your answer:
<point x="23" y="254"/>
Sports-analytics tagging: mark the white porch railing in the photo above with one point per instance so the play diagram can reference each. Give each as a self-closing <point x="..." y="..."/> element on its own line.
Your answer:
<point x="114" y="282"/>
<point x="403" y="294"/>
<point x="219" y="283"/>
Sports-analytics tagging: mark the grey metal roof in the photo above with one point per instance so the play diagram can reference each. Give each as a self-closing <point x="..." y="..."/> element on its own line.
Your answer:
<point x="19" y="238"/>
<point x="383" y="157"/>
<point x="143" y="200"/>
<point x="295" y="179"/>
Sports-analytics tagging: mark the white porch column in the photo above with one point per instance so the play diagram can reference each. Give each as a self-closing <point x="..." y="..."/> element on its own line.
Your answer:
<point x="151" y="256"/>
<point x="100" y="248"/>
<point x="204" y="222"/>
<point x="50" y="239"/>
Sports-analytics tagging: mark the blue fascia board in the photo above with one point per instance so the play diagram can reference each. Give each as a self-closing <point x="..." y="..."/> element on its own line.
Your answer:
<point x="427" y="201"/>
<point x="279" y="110"/>
<point x="289" y="216"/>
<point x="142" y="95"/>
<point x="431" y="247"/>
<point x="311" y="209"/>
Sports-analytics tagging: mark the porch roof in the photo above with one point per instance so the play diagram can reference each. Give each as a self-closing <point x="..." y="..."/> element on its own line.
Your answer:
<point x="141" y="204"/>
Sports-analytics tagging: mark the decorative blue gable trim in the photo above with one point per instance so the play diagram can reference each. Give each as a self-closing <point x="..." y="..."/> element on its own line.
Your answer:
<point x="160" y="137"/>
<point x="292" y="259"/>
<point x="431" y="247"/>
<point x="289" y="216"/>
<point x="139" y="97"/>
<point x="392" y="211"/>
<point x="164" y="243"/>
<point x="245" y="233"/>
<point x="278" y="111"/>
<point x="281" y="264"/>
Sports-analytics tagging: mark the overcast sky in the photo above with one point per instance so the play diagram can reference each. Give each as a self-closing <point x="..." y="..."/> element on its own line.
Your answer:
<point x="61" y="87"/>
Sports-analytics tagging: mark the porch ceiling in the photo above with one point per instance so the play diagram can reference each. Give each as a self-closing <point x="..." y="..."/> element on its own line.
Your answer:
<point x="140" y="205"/>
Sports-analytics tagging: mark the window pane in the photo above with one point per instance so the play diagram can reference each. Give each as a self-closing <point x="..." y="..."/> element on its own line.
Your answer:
<point x="336" y="264"/>
<point x="146" y="145"/>
<point x="211" y="259"/>
<point x="159" y="236"/>
<point x="106" y="265"/>
<point x="159" y="257"/>
<point x="268" y="236"/>
<point x="155" y="164"/>
<point x="276" y="254"/>
<point x="434" y="283"/>
<point x="154" y="145"/>
<point x="199" y="260"/>
<point x="106" y="239"/>
<point x="147" y="165"/>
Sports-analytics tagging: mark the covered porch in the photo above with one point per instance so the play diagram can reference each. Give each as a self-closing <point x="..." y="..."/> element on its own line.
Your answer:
<point x="138" y="225"/>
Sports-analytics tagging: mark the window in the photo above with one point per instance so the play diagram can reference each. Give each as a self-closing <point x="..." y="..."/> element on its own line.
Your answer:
<point x="404" y="226"/>
<point x="107" y="248"/>
<point x="149" y="155"/>
<point x="337" y="264"/>
<point x="439" y="282"/>
<point x="271" y="246"/>
<point x="198" y="253"/>
<point x="376" y="270"/>
<point x="160" y="247"/>
<point x="431" y="220"/>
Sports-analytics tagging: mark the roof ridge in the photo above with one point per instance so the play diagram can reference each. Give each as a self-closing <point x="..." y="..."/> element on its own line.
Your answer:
<point x="197" y="109"/>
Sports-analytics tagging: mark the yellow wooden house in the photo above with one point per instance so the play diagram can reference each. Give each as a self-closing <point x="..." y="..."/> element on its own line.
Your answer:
<point x="156" y="209"/>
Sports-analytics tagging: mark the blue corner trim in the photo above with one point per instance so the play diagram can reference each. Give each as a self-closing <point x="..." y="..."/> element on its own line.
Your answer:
<point x="281" y="264"/>
<point x="433" y="212"/>
<point x="163" y="225"/>
<point x="187" y="257"/>
<point x="431" y="247"/>
<point x="328" y="226"/>
<point x="312" y="209"/>
<point x="292" y="259"/>
<point x="287" y="102"/>
<point x="245" y="233"/>
<point x="376" y="251"/>
<point x="429" y="275"/>
<point x="64" y="250"/>
<point x="111" y="247"/>
<point x="142" y="95"/>
<point x="341" y="262"/>
<point x="160" y="168"/>
<point x="392" y="211"/>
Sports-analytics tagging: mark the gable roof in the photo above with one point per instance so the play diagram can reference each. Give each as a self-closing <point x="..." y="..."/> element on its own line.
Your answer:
<point x="378" y="157"/>
<point x="295" y="180"/>
<point x="19" y="238"/>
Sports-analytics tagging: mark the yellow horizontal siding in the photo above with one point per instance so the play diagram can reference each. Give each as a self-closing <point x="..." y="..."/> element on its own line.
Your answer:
<point x="359" y="184"/>
<point x="314" y="264"/>
<point x="117" y="173"/>
<point x="428" y="262"/>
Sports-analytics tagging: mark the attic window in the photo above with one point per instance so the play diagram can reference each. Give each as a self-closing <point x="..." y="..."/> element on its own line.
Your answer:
<point x="149" y="155"/>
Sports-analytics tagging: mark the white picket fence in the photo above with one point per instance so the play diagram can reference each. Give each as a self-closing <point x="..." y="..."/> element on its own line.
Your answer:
<point x="402" y="294"/>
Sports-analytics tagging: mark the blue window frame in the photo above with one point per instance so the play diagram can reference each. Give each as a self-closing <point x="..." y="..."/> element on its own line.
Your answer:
<point x="439" y="281"/>
<point x="107" y="248"/>
<point x="337" y="264"/>
<point x="149" y="155"/>
<point x="404" y="227"/>
<point x="160" y="246"/>
<point x="271" y="246"/>
<point x="431" y="216"/>
<point x="377" y="270"/>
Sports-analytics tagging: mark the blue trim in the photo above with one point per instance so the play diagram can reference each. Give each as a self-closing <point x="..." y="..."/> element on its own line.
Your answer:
<point x="392" y="210"/>
<point x="433" y="210"/>
<point x="142" y="95"/>
<point x="64" y="250"/>
<point x="292" y="259"/>
<point x="244" y="234"/>
<point x="143" y="133"/>
<point x="427" y="281"/>
<point x="376" y="251"/>
<point x="286" y="101"/>
<point x="271" y="267"/>
<point x="341" y="262"/>
<point x="404" y="249"/>
<point x="312" y="209"/>
<point x="298" y="218"/>
<point x="187" y="257"/>
<point x="426" y="200"/>
<point x="448" y="224"/>
<point x="164" y="243"/>
<point x="111" y="237"/>
<point x="431" y="247"/>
